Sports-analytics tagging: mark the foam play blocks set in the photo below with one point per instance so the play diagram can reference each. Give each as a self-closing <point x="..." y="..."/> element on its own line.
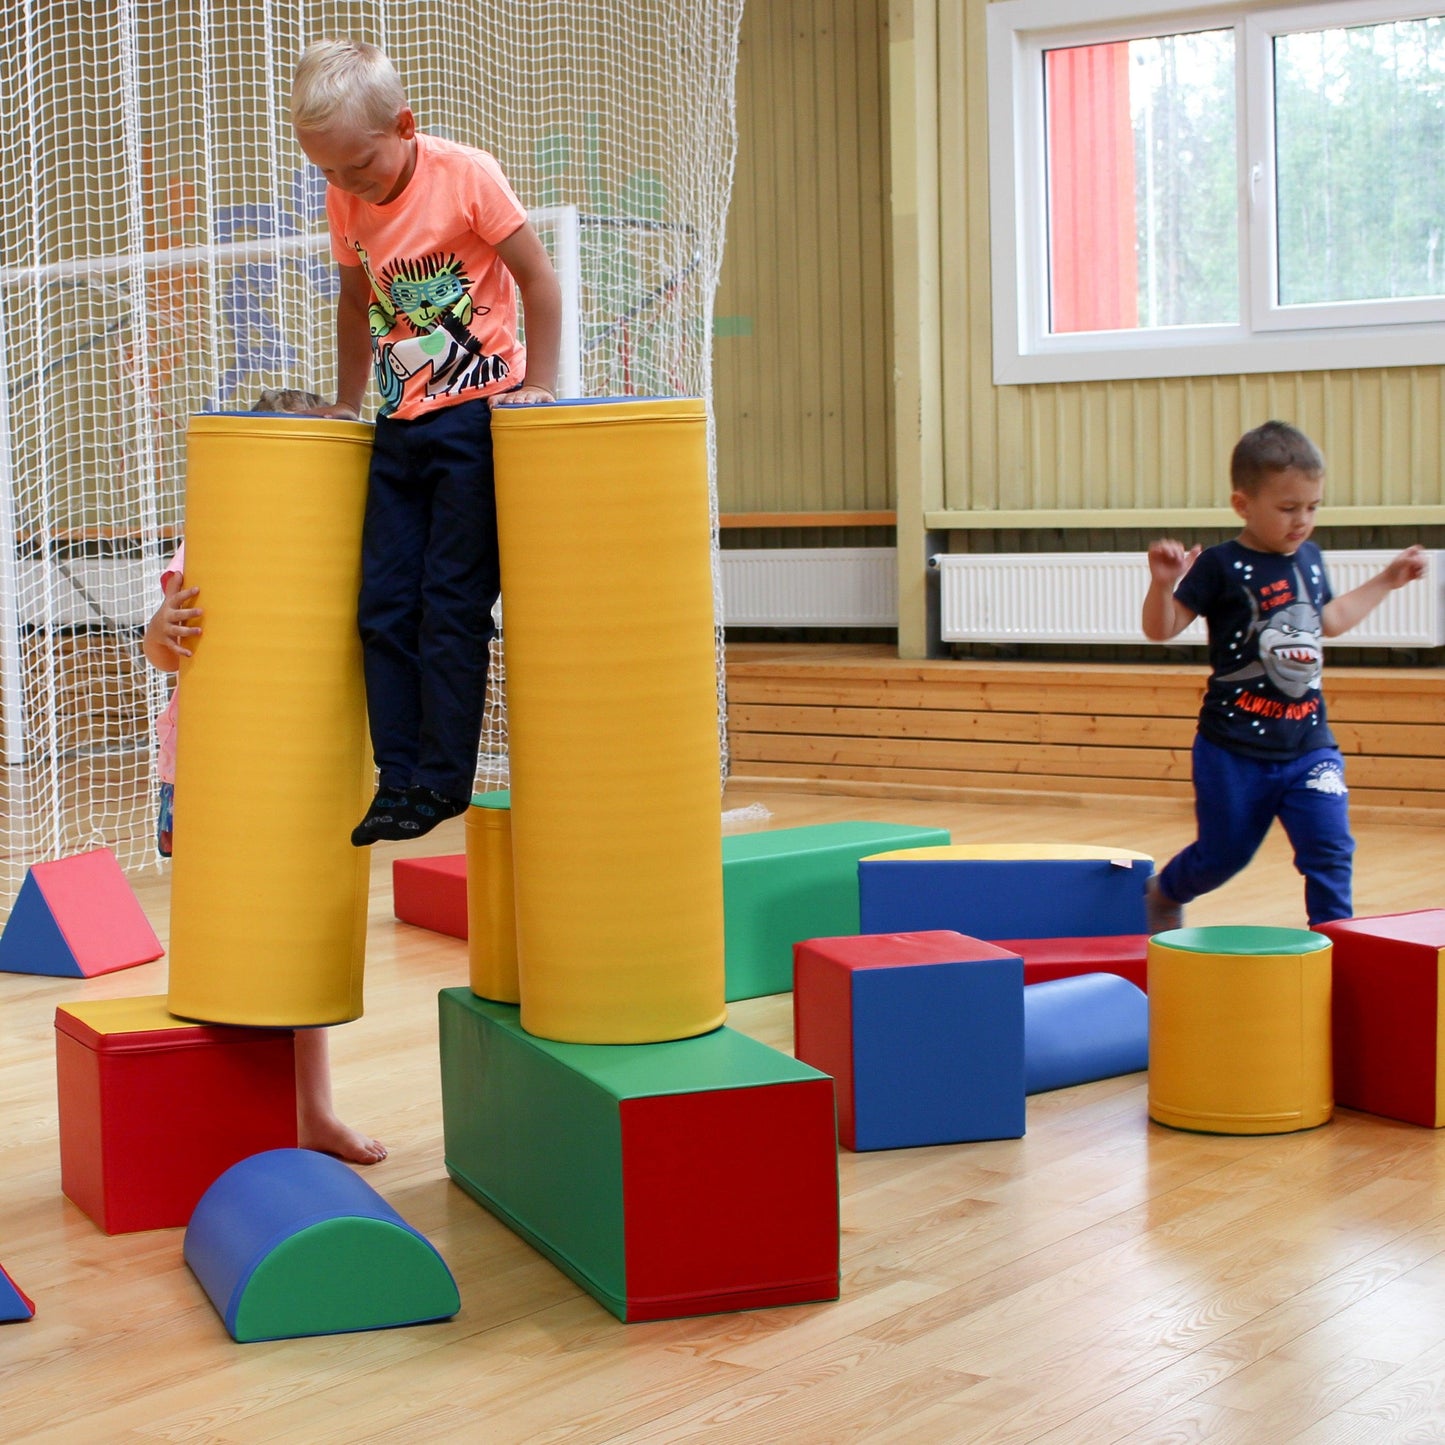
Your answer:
<point x="923" y="1034"/>
<point x="790" y="884"/>
<point x="1239" y="1029"/>
<point x="153" y="1108"/>
<point x="1066" y="909"/>
<point x="75" y="918"/>
<point x="15" y="1304"/>
<point x="289" y="1243"/>
<point x="1389" y="1014"/>
<point x="1085" y="1027"/>
<point x="431" y="893"/>
<point x="667" y="1179"/>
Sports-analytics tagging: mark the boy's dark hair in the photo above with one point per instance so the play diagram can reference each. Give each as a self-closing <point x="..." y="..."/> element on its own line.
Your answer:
<point x="1274" y="447"/>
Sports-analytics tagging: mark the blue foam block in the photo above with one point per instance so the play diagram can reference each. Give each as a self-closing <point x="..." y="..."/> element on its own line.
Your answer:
<point x="290" y="1243"/>
<point x="997" y="898"/>
<point x="1079" y="1029"/>
<point x="938" y="1053"/>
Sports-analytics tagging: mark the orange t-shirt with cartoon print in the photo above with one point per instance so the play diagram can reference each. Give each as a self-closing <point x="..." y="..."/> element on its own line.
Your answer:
<point x="443" y="306"/>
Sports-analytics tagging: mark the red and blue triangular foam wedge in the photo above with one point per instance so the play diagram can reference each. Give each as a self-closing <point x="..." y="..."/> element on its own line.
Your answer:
<point x="15" y="1304"/>
<point x="75" y="918"/>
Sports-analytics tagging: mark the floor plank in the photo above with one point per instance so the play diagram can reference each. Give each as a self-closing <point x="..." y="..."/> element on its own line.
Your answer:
<point x="1100" y="1279"/>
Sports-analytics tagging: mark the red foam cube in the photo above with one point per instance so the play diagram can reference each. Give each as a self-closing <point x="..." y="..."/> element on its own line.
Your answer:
<point x="431" y="893"/>
<point x="1386" y="1007"/>
<point x="1126" y="954"/>
<point x="153" y="1109"/>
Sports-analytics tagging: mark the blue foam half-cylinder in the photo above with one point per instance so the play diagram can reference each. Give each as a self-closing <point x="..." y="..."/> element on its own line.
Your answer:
<point x="1080" y="1029"/>
<point x="290" y="1243"/>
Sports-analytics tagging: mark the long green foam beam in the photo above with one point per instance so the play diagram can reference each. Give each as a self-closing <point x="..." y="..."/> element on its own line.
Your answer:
<point x="791" y="884"/>
<point x="667" y="1179"/>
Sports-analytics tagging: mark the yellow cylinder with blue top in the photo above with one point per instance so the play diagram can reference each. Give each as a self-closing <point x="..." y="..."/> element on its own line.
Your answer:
<point x="605" y="526"/>
<point x="273" y="765"/>
<point x="1239" y="1030"/>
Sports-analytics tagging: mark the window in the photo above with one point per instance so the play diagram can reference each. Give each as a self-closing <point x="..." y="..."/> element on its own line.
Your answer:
<point x="1177" y="190"/>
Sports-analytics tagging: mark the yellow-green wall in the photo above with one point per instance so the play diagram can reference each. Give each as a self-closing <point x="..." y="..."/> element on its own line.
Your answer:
<point x="802" y="373"/>
<point x="853" y="362"/>
<point x="1155" y="444"/>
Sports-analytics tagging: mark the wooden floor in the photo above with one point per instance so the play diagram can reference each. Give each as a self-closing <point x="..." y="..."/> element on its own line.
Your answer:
<point x="1102" y="1279"/>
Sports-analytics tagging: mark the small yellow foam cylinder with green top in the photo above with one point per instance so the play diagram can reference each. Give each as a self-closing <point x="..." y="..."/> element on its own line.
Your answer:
<point x="1239" y="1029"/>
<point x="273" y="765"/>
<point x="491" y="901"/>
<point x="603" y="515"/>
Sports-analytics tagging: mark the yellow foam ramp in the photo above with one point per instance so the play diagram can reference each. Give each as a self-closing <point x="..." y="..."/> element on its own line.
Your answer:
<point x="268" y="897"/>
<point x="603" y="517"/>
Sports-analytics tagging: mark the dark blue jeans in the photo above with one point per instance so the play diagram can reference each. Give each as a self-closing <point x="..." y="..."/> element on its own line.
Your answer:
<point x="1236" y="799"/>
<point x="429" y="579"/>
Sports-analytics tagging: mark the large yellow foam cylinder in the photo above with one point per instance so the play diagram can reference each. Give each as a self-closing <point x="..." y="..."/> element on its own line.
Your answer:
<point x="491" y="901"/>
<point x="1239" y="1030"/>
<point x="612" y="718"/>
<point x="268" y="897"/>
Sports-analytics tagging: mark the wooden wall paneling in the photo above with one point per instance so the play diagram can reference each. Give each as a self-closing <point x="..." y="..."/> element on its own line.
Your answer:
<point x="802" y="380"/>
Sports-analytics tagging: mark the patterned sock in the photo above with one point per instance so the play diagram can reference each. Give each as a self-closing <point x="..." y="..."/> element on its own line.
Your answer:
<point x="425" y="807"/>
<point x="381" y="818"/>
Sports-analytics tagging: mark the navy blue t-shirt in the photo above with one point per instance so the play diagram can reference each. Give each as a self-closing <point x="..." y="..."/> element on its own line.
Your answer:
<point x="1263" y="614"/>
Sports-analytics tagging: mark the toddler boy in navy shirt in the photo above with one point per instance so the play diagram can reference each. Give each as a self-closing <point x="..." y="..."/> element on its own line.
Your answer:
<point x="1264" y="748"/>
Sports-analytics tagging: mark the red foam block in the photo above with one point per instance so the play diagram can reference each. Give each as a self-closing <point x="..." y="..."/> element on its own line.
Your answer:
<point x="1386" y="1014"/>
<point x="700" y="1170"/>
<point x="152" y="1113"/>
<point x="432" y="893"/>
<point x="1045" y="958"/>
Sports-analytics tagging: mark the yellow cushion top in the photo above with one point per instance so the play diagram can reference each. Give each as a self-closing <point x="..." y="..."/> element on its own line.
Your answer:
<point x="126" y="1015"/>
<point x="1010" y="853"/>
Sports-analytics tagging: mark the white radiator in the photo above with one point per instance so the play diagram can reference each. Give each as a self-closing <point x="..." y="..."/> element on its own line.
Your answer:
<point x="1096" y="597"/>
<point x="810" y="587"/>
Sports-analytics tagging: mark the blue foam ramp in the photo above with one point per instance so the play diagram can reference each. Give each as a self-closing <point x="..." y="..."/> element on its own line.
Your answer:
<point x="1003" y="898"/>
<point x="76" y="917"/>
<point x="290" y="1243"/>
<point x="1079" y="1029"/>
<point x="15" y="1304"/>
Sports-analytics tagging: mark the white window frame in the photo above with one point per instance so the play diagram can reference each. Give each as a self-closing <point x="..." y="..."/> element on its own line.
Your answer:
<point x="1269" y="338"/>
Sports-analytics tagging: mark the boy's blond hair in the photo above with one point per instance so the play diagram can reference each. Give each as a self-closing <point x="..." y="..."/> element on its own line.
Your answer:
<point x="1269" y="449"/>
<point x="346" y="83"/>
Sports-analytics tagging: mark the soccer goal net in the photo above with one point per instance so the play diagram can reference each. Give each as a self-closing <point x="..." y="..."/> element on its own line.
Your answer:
<point x="163" y="252"/>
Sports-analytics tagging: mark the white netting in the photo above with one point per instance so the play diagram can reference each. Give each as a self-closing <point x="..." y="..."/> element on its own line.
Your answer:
<point x="162" y="252"/>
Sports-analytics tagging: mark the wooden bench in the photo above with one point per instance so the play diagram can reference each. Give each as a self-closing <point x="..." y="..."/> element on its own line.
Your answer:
<point x="859" y="719"/>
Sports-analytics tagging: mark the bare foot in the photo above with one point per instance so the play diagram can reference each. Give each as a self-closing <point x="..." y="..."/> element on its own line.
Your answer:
<point x="330" y="1136"/>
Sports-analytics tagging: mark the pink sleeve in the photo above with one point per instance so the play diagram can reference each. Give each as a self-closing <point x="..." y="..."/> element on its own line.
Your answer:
<point x="176" y="567"/>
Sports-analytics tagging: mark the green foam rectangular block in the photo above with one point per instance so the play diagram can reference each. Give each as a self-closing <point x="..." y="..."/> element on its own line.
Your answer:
<point x="668" y="1179"/>
<point x="791" y="884"/>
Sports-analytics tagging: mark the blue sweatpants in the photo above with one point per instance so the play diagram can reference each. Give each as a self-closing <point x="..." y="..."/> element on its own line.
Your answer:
<point x="429" y="578"/>
<point x="1236" y="798"/>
